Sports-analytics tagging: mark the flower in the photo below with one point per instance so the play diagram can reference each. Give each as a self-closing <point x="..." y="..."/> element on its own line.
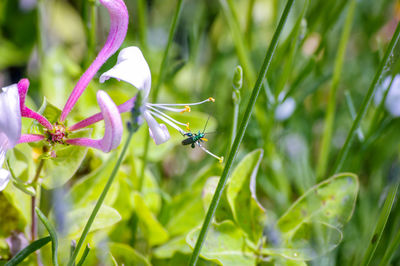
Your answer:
<point x="285" y="108"/>
<point x="132" y="68"/>
<point x="392" y="102"/>
<point x="10" y="127"/>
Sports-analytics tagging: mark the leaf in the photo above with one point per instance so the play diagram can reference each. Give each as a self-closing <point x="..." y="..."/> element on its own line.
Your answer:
<point x="241" y="195"/>
<point x="311" y="226"/>
<point x="57" y="171"/>
<point x="35" y="245"/>
<point x="125" y="255"/>
<point x="89" y="188"/>
<point x="168" y="249"/>
<point x="52" y="232"/>
<point x="223" y="211"/>
<point x="154" y="231"/>
<point x="77" y="218"/>
<point x="225" y="243"/>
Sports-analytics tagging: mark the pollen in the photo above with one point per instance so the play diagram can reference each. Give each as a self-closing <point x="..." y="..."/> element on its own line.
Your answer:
<point x="221" y="159"/>
<point x="211" y="99"/>
<point x="187" y="109"/>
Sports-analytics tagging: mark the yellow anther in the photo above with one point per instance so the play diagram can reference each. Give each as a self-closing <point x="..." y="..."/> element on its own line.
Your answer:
<point x="221" y="159"/>
<point x="187" y="109"/>
<point x="204" y="139"/>
<point x="211" y="99"/>
<point x="187" y="126"/>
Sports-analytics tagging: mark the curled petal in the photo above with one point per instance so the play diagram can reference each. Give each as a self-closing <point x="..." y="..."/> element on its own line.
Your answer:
<point x="10" y="117"/>
<point x="23" y="86"/>
<point x="131" y="67"/>
<point x="113" y="126"/>
<point x="158" y="132"/>
<point x="118" y="26"/>
<point x="122" y="108"/>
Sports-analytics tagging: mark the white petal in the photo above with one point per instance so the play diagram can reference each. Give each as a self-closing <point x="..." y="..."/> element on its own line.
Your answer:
<point x="4" y="178"/>
<point x="158" y="132"/>
<point x="10" y="116"/>
<point x="393" y="98"/>
<point x="380" y="90"/>
<point x="284" y="110"/>
<point x="131" y="67"/>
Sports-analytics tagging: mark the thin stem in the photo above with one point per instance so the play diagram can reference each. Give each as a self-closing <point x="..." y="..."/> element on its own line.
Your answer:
<point x="142" y="23"/>
<point x="331" y="110"/>
<point x="239" y="136"/>
<point x="234" y="121"/>
<point x="156" y="89"/>
<point x="249" y="22"/>
<point x="100" y="200"/>
<point x="394" y="244"/>
<point x="365" y="104"/>
<point x="33" y="201"/>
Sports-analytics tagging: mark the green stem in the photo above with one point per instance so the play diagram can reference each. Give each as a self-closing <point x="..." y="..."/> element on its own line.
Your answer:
<point x="365" y="104"/>
<point x="353" y="114"/>
<point x="331" y="110"/>
<point x="160" y="79"/>
<point x="100" y="200"/>
<point x="249" y="22"/>
<point x="239" y="136"/>
<point x="234" y="121"/>
<point x="380" y="226"/>
<point x="394" y="244"/>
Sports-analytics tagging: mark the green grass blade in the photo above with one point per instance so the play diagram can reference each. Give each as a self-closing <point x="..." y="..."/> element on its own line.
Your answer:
<point x="52" y="232"/>
<point x="380" y="226"/>
<point x="366" y="102"/>
<point x="84" y="255"/>
<point x="240" y="134"/>
<point x="331" y="109"/>
<point x="35" y="245"/>
<point x="394" y="244"/>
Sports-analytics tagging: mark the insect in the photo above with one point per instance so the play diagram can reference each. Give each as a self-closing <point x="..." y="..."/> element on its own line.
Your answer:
<point x="197" y="138"/>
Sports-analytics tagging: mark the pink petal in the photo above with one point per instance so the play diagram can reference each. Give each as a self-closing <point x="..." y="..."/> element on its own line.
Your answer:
<point x="113" y="126"/>
<point x="23" y="86"/>
<point x="118" y="26"/>
<point x="25" y="138"/>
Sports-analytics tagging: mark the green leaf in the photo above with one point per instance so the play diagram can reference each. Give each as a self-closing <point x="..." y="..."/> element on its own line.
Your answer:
<point x="35" y="245"/>
<point x="225" y="244"/>
<point x="57" y="171"/>
<point x="223" y="211"/>
<point x="77" y="218"/>
<point x="241" y="194"/>
<point x="154" y="231"/>
<point x="168" y="250"/>
<point x="311" y="226"/>
<point x="89" y="188"/>
<point x="52" y="232"/>
<point x="125" y="255"/>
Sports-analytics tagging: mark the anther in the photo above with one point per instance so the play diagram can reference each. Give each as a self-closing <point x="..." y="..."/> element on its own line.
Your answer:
<point x="211" y="99"/>
<point x="187" y="109"/>
<point x="187" y="126"/>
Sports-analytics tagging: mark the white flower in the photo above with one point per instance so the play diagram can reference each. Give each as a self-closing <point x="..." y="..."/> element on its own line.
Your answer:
<point x="284" y="109"/>
<point x="392" y="102"/>
<point x="132" y="67"/>
<point x="10" y="126"/>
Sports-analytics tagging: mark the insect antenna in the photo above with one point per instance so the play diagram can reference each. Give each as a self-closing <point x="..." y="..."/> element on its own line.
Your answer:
<point x="205" y="126"/>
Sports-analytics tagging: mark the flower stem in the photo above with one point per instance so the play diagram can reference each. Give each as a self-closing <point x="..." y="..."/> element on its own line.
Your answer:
<point x="365" y="104"/>
<point x="160" y="79"/>
<point x="331" y="110"/>
<point x="100" y="200"/>
<point x="240" y="134"/>
<point x="142" y="23"/>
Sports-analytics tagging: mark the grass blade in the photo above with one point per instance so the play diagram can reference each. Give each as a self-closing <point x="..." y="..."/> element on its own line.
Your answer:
<point x="35" y="245"/>
<point x="239" y="136"/>
<point x="84" y="255"/>
<point x="366" y="102"/>
<point x="380" y="226"/>
<point x="52" y="232"/>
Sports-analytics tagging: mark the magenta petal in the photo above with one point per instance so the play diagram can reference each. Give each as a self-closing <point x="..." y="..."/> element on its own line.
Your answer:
<point x="23" y="86"/>
<point x="122" y="108"/>
<point x="30" y="138"/>
<point x="113" y="126"/>
<point x="118" y="26"/>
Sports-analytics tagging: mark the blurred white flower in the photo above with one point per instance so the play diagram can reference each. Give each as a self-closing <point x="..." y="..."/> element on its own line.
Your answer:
<point x="10" y="127"/>
<point x="392" y="102"/>
<point x="284" y="109"/>
<point x="27" y="5"/>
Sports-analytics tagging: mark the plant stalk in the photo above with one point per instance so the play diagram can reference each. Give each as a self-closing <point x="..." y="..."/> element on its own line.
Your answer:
<point x="239" y="136"/>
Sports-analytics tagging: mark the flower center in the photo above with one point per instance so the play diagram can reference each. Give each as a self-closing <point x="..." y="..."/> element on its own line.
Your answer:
<point x="57" y="134"/>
